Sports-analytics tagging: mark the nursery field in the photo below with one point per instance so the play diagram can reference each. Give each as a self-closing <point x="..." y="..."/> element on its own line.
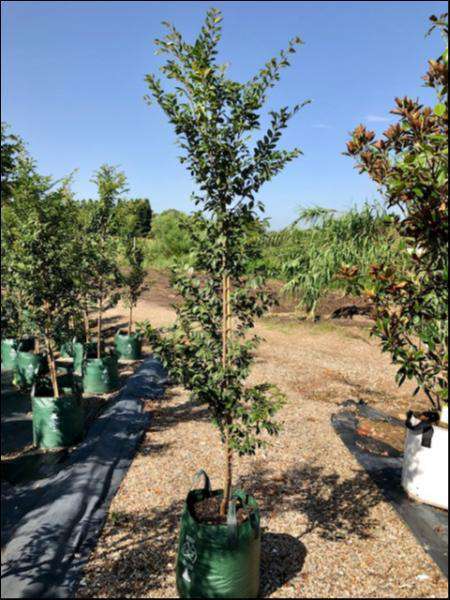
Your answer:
<point x="328" y="531"/>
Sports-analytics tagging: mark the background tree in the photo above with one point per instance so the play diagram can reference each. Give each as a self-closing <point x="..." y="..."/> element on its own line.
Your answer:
<point x="170" y="239"/>
<point x="133" y="218"/>
<point x="410" y="164"/>
<point x="214" y="118"/>
<point x="104" y="278"/>
<point x="134" y="277"/>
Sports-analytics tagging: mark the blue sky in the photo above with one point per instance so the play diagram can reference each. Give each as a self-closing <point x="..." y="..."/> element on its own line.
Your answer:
<point x="73" y="87"/>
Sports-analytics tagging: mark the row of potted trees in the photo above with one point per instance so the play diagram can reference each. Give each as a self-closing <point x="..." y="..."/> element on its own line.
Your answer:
<point x="55" y="273"/>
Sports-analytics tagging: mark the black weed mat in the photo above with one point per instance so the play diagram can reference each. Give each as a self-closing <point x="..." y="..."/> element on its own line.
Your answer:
<point x="51" y="525"/>
<point x="384" y="465"/>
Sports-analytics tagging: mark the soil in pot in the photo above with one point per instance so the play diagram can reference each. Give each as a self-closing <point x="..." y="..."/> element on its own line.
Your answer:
<point x="207" y="511"/>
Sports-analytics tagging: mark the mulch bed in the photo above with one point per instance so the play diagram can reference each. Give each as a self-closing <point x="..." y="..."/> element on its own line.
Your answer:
<point x="328" y="531"/>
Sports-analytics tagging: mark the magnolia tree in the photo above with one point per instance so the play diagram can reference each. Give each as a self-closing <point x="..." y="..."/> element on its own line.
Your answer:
<point x="410" y="164"/>
<point x="133" y="279"/>
<point x="44" y="256"/>
<point x="214" y="119"/>
<point x="101" y="275"/>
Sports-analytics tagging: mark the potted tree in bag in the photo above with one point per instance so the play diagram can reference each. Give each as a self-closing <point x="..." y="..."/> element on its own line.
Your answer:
<point x="101" y="374"/>
<point x="209" y="349"/>
<point x="45" y="259"/>
<point x="410" y="164"/>
<point x="129" y="343"/>
<point x="12" y="149"/>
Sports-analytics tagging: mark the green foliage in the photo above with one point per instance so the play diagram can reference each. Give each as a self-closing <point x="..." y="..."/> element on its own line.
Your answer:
<point x="410" y="164"/>
<point x="12" y="147"/>
<point x="101" y="276"/>
<point x="170" y="239"/>
<point x="133" y="279"/>
<point x="215" y="119"/>
<point x="324" y="250"/>
<point x="133" y="218"/>
<point x="41" y="258"/>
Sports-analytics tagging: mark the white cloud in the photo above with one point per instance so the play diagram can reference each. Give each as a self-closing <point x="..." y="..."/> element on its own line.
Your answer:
<point x="377" y="119"/>
<point x="321" y="126"/>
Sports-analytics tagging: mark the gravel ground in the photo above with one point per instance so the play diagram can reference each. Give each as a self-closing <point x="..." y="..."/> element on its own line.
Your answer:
<point x="327" y="530"/>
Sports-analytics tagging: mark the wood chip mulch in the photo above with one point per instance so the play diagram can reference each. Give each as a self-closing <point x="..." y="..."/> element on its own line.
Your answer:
<point x="328" y="532"/>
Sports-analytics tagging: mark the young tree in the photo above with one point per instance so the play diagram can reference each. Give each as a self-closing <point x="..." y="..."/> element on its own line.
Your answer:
<point x="410" y="164"/>
<point x="104" y="276"/>
<point x="133" y="279"/>
<point x="45" y="258"/>
<point x="214" y="118"/>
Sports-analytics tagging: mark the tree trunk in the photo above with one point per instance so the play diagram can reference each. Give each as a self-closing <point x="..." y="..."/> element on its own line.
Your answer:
<point x="87" y="329"/>
<point x="130" y="322"/>
<point x="99" y="328"/>
<point x="52" y="366"/>
<point x="226" y="330"/>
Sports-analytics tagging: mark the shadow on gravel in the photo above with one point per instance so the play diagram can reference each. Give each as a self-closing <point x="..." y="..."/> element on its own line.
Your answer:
<point x="141" y="548"/>
<point x="139" y="554"/>
<point x="169" y="416"/>
<point x="282" y="559"/>
<point x="335" y="508"/>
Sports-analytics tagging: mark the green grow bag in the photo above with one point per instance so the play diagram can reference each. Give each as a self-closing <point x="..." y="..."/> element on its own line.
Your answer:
<point x="57" y="422"/>
<point x="9" y="354"/>
<point x="82" y="351"/>
<point x="128" y="347"/>
<point x="67" y="349"/>
<point x="101" y="375"/>
<point x="28" y="367"/>
<point x="219" y="561"/>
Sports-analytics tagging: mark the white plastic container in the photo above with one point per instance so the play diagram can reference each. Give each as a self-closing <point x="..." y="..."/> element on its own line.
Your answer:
<point x="425" y="470"/>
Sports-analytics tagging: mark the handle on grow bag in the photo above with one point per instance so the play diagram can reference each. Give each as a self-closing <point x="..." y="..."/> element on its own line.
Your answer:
<point x="254" y="521"/>
<point x="423" y="426"/>
<point x="207" y="482"/>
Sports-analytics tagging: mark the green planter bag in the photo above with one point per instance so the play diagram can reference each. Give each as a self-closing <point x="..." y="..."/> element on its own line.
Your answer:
<point x="219" y="561"/>
<point x="67" y="349"/>
<point x="9" y="354"/>
<point x="101" y="375"/>
<point x="82" y="351"/>
<point x="128" y="347"/>
<point x="57" y="422"/>
<point x="29" y="367"/>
